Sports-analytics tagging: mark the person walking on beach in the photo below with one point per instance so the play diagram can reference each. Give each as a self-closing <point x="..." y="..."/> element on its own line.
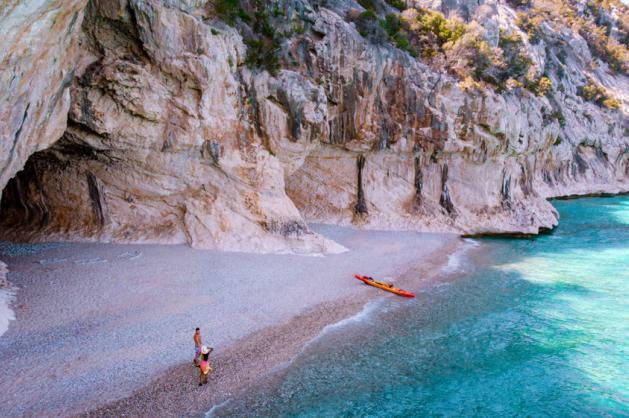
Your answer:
<point x="197" y="346"/>
<point x="204" y="366"/>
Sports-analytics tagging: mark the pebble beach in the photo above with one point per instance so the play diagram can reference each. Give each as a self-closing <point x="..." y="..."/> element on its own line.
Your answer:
<point x="106" y="330"/>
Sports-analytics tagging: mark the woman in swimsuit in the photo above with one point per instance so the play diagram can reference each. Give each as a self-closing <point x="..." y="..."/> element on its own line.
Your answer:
<point x="204" y="366"/>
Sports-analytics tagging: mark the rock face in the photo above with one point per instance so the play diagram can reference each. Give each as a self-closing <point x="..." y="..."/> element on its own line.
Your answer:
<point x="170" y="137"/>
<point x="38" y="56"/>
<point x="438" y="157"/>
<point x="158" y="147"/>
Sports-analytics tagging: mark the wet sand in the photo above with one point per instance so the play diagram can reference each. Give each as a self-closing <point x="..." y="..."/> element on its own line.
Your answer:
<point x="115" y="322"/>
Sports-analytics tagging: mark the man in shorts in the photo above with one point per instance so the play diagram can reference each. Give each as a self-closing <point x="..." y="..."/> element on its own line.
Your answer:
<point x="197" y="346"/>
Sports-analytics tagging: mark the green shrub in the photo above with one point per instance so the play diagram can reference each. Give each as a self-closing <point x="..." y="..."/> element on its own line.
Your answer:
<point x="519" y="3"/>
<point x="398" y="4"/>
<point x="368" y="4"/>
<point x="262" y="25"/>
<point x="540" y="86"/>
<point x="264" y="43"/>
<point x="366" y="18"/>
<point x="430" y="31"/>
<point x="263" y="54"/>
<point x="558" y="115"/>
<point x="402" y="42"/>
<point x="617" y="56"/>
<point x="594" y="92"/>
<point x="517" y="62"/>
<point x="244" y="16"/>
<point x="370" y="27"/>
<point x="392" y="24"/>
<point x="530" y="23"/>
<point x="227" y="9"/>
<point x="435" y="23"/>
<point x="484" y="62"/>
<point x="560" y="14"/>
<point x="611" y="103"/>
<point x="505" y="66"/>
<point x="393" y="27"/>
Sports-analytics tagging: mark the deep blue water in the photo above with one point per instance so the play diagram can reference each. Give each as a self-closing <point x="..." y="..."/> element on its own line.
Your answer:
<point x="533" y="327"/>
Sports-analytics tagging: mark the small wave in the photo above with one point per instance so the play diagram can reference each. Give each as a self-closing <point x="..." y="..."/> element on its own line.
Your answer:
<point x="215" y="408"/>
<point x="364" y="314"/>
<point x="456" y="259"/>
<point x="473" y="243"/>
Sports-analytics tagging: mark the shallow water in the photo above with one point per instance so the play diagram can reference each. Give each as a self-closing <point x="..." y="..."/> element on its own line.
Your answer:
<point x="536" y="327"/>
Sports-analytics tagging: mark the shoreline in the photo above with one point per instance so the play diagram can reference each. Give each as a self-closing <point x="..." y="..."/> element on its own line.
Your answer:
<point x="586" y="195"/>
<point x="110" y="319"/>
<point x="257" y="357"/>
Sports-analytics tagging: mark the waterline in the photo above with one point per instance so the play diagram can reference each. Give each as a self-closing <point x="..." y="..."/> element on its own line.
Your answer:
<point x="536" y="327"/>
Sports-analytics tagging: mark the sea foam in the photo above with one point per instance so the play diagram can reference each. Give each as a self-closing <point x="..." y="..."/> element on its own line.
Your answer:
<point x="456" y="260"/>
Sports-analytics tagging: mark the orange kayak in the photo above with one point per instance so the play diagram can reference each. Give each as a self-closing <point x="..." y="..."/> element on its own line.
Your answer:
<point x="384" y="286"/>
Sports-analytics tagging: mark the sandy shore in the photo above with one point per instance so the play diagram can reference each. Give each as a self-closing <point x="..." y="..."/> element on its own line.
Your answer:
<point x="107" y="329"/>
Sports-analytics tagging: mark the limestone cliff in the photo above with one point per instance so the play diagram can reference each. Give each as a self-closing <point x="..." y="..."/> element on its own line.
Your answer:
<point x="38" y="55"/>
<point x="231" y="128"/>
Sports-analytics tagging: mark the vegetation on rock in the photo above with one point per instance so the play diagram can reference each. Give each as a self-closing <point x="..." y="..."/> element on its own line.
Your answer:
<point x="263" y="41"/>
<point x="594" y="92"/>
<point x="461" y="48"/>
<point x="594" y="24"/>
<point x="464" y="49"/>
<point x="431" y="32"/>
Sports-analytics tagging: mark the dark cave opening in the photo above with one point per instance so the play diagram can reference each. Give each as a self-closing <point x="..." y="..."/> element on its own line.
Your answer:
<point x="52" y="194"/>
<point x="23" y="203"/>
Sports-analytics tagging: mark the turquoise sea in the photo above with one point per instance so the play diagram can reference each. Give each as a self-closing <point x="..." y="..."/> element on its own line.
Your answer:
<point x="526" y="328"/>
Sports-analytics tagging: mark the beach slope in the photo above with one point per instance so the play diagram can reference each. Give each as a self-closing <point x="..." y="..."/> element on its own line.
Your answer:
<point x="110" y="326"/>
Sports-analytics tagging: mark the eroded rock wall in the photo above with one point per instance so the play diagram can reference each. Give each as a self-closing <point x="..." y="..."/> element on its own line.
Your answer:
<point x="158" y="146"/>
<point x="38" y="58"/>
<point x="438" y="157"/>
<point x="170" y="137"/>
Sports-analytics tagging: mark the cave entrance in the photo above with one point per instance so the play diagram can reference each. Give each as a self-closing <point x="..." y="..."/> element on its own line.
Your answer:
<point x="23" y="205"/>
<point x="52" y="197"/>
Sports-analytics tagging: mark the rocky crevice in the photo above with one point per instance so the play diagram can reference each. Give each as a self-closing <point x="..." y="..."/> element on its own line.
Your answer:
<point x="360" y="208"/>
